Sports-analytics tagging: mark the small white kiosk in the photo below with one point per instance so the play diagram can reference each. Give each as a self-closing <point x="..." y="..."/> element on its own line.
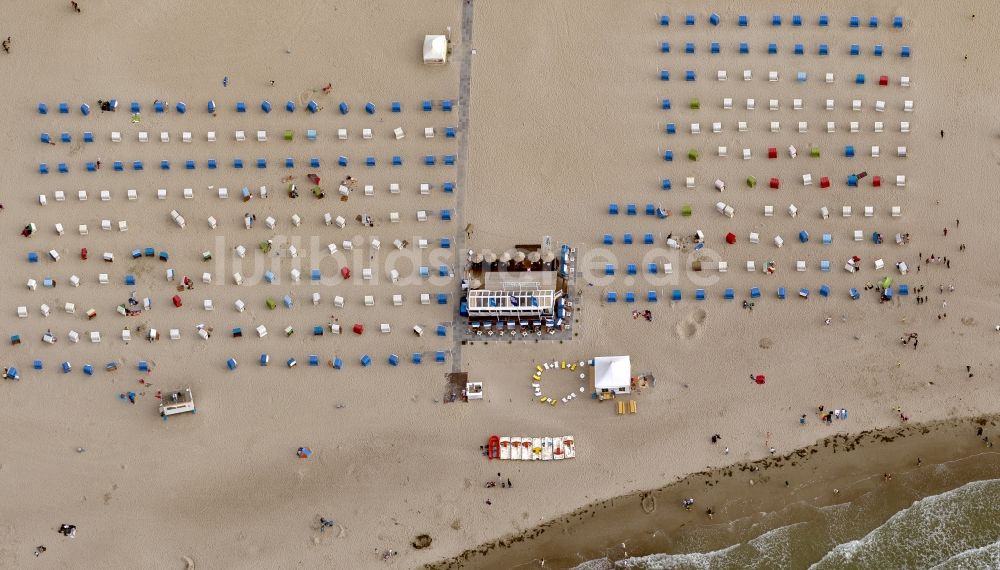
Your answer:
<point x="435" y="49"/>
<point x="612" y="374"/>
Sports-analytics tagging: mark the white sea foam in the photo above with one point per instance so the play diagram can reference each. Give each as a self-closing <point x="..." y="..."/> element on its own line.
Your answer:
<point x="973" y="559"/>
<point x="927" y="532"/>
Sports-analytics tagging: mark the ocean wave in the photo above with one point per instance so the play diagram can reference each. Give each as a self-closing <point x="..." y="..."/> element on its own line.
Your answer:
<point x="973" y="559"/>
<point x="928" y="532"/>
<point x="693" y="561"/>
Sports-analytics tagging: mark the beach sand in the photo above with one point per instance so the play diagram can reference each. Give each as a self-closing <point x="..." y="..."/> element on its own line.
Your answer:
<point x="564" y="118"/>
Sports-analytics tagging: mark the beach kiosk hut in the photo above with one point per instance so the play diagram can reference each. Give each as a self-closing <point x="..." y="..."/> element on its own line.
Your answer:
<point x="612" y="374"/>
<point x="177" y="402"/>
<point x="435" y="50"/>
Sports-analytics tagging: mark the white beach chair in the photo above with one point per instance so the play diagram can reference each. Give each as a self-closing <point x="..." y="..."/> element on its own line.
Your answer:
<point x="116" y="137"/>
<point x="296" y="275"/>
<point x="768" y="211"/>
<point x="239" y="305"/>
<point x="83" y="230"/>
<point x="746" y="154"/>
<point x="829" y="104"/>
<point x="778" y="242"/>
<point x="727" y="103"/>
<point x="695" y="128"/>
<point x="793" y="210"/>
<point x="807" y="179"/>
<point x="209" y="306"/>
<point x="875" y="151"/>
<point x="800" y="265"/>
<point x="904" y="81"/>
<point x="829" y="78"/>
<point x="175" y="334"/>
<point x="241" y="136"/>
<point x="60" y="196"/>
<point x="186" y="136"/>
<point x="797" y="104"/>
<point x="296" y="220"/>
<point x="900" y="180"/>
<point x="831" y="127"/>
<point x="859" y="235"/>
<point x="428" y="132"/>
<point x="340" y="222"/>
<point x="751" y="104"/>
<point x="723" y="151"/>
<point x="747" y="75"/>
<point x="723" y="267"/>
<point x="904" y="126"/>
<point x="211" y="136"/>
<point x="775" y="126"/>
<point x="772" y="104"/>
<point x="342" y="134"/>
<point x="751" y="266"/>
<point x="338" y="302"/>
<point x="59" y="229"/>
<point x="105" y="195"/>
<point x="143" y="136"/>
<point x="126" y="335"/>
<point x="384" y="327"/>
<point x="106" y="225"/>
<point x="398" y="132"/>
<point x="397" y="300"/>
<point x="394" y="188"/>
<point x="908" y="106"/>
<point x="421" y="216"/>
<point x="369" y="301"/>
<point x="161" y="194"/>
<point x="880" y="106"/>
<point x="261" y="136"/>
<point x="855" y="127"/>
<point x="133" y="194"/>
<point x="189" y="193"/>
<point x="269" y="222"/>
<point x="803" y="127"/>
<point x="896" y="211"/>
<point x="123" y="225"/>
<point x="856" y="104"/>
<point x="846" y="211"/>
<point x="212" y="222"/>
<point x="164" y="136"/>
<point x="869" y="211"/>
<point x="95" y="337"/>
<point x="879" y="127"/>
<point x="369" y="190"/>
<point x="366" y="134"/>
<point x="824" y="213"/>
<point x="717" y="127"/>
<point x="901" y="151"/>
<point x="425" y="189"/>
<point x="772" y="76"/>
<point x="879" y="264"/>
<point x="754" y="237"/>
<point x="223" y="193"/>
<point x="668" y="268"/>
<point x="315" y="298"/>
<point x="689" y="182"/>
<point x="82" y="195"/>
<point x="742" y="126"/>
<point x="394" y="217"/>
<point x="261" y="331"/>
<point x="348" y="245"/>
<point x="721" y="75"/>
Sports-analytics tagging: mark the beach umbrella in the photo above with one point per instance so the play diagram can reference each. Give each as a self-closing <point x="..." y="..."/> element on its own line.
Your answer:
<point x="478" y="258"/>
<point x="489" y="256"/>
<point x="534" y="257"/>
<point x="505" y="257"/>
<point x="549" y="257"/>
<point x="759" y="379"/>
<point x="519" y="256"/>
<point x="730" y="238"/>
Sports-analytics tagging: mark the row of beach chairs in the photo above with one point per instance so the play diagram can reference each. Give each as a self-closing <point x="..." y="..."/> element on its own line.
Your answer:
<point x="776" y="20"/>
<point x="241" y="136"/>
<point x="773" y="76"/>
<point x="260" y="163"/>
<point x="427" y="105"/>
<point x="132" y="194"/>
<point x="729" y="294"/>
<point x="797" y="104"/>
<point x="823" y="49"/>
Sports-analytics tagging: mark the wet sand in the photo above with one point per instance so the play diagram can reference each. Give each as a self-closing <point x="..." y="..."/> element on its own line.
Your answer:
<point x="835" y="470"/>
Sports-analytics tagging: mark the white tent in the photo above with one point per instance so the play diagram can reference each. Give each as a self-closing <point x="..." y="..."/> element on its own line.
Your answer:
<point x="612" y="374"/>
<point x="435" y="49"/>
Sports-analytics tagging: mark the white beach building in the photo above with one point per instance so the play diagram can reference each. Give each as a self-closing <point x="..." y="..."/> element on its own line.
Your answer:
<point x="612" y="374"/>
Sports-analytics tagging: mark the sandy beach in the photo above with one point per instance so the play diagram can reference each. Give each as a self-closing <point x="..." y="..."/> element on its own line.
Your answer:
<point x="565" y="117"/>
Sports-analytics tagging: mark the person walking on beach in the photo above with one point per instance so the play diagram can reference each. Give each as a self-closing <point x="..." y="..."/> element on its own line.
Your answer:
<point x="76" y="7"/>
<point x="6" y="45"/>
<point x="942" y="133"/>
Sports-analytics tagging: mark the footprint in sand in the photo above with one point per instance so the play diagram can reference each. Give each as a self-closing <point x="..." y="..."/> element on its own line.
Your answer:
<point x="766" y="343"/>
<point x="698" y="316"/>
<point x="686" y="329"/>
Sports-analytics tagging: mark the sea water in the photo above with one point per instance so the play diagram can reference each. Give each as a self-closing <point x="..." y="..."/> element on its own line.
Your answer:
<point x="957" y="529"/>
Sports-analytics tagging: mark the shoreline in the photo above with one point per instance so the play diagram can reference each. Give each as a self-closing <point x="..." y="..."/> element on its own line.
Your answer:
<point x="736" y="493"/>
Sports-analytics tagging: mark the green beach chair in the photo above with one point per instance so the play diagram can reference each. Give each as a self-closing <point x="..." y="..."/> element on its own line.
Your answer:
<point x="695" y="103"/>
<point x="752" y="181"/>
<point x="271" y="304"/>
<point x="289" y="135"/>
<point x="814" y="152"/>
<point x="693" y="155"/>
<point x="686" y="210"/>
